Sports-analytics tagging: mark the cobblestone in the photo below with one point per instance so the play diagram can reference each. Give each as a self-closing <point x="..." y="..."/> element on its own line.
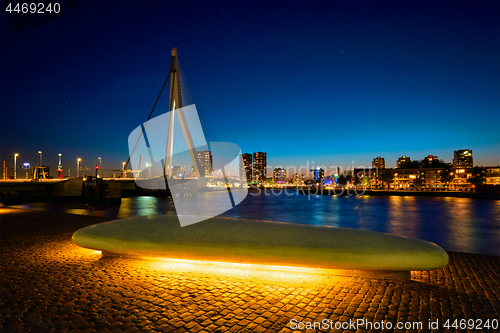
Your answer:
<point x="51" y="285"/>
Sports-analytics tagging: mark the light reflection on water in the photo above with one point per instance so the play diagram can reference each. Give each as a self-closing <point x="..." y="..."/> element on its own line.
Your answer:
<point x="145" y="206"/>
<point x="456" y="224"/>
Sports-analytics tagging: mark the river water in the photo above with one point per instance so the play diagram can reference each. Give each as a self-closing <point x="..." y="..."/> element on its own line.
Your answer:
<point x="456" y="224"/>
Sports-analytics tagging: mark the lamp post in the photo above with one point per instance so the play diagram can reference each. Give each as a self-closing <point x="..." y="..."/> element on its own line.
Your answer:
<point x="123" y="170"/>
<point x="40" y="165"/>
<point x="59" y="167"/>
<point x="149" y="169"/>
<point x="78" y="167"/>
<point x="15" y="165"/>
<point x="100" y="176"/>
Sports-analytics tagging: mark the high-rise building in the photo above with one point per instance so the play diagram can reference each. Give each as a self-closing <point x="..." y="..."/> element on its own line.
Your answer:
<point x="259" y="166"/>
<point x="190" y="171"/>
<point x="298" y="180"/>
<point x="378" y="162"/>
<point x="279" y="176"/>
<point x="462" y="158"/>
<point x="246" y="167"/>
<point x="177" y="172"/>
<point x="205" y="157"/>
<point x="319" y="175"/>
<point x="402" y="160"/>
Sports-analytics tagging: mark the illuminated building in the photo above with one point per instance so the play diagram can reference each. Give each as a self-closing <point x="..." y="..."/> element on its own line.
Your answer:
<point x="246" y="167"/>
<point x="378" y="162"/>
<point x="190" y="171"/>
<point x="404" y="179"/>
<point x="279" y="176"/>
<point x="329" y="181"/>
<point x="205" y="157"/>
<point x="259" y="166"/>
<point x="370" y="173"/>
<point x="298" y="180"/>
<point x="319" y="175"/>
<point x="402" y="160"/>
<point x="177" y="172"/>
<point x="493" y="175"/>
<point x="462" y="175"/>
<point x="430" y="159"/>
<point x="462" y="158"/>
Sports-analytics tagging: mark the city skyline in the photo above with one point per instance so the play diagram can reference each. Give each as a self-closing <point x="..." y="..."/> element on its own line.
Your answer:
<point x="325" y="82"/>
<point x="330" y="167"/>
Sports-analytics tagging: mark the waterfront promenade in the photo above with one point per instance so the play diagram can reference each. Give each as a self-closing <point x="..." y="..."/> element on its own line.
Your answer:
<point x="51" y="285"/>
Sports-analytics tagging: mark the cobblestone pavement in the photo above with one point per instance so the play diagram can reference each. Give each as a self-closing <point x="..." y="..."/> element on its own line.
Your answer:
<point x="48" y="284"/>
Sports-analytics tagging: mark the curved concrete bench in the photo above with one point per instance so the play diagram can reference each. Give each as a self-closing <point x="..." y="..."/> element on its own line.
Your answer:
<point x="262" y="242"/>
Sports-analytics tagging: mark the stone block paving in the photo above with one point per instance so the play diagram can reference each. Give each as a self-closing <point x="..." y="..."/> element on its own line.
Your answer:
<point x="48" y="284"/>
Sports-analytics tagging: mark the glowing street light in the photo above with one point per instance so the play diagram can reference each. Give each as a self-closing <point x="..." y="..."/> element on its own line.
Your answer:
<point x="15" y="165"/>
<point x="78" y="167"/>
<point x="59" y="167"/>
<point x="100" y="167"/>
<point x="149" y="168"/>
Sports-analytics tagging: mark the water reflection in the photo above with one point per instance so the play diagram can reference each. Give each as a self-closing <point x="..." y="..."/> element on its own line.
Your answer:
<point x="456" y="224"/>
<point x="460" y="230"/>
<point x="140" y="206"/>
<point x="404" y="216"/>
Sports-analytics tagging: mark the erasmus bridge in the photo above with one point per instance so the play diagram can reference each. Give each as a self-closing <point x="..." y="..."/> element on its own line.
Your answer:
<point x="181" y="109"/>
<point x="156" y="159"/>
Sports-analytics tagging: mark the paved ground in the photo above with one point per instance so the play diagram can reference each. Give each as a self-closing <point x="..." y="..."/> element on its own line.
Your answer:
<point x="50" y="285"/>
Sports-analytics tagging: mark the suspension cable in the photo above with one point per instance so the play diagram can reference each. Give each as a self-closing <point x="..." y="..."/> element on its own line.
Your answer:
<point x="144" y="127"/>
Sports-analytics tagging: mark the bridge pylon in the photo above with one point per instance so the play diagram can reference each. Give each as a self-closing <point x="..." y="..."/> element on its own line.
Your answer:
<point x="175" y="108"/>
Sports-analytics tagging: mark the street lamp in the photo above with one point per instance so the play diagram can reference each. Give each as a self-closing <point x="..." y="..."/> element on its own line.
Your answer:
<point x="40" y="165"/>
<point x="78" y="167"/>
<point x="123" y="170"/>
<point x="15" y="165"/>
<point x="149" y="169"/>
<point x="59" y="167"/>
<point x="100" y="169"/>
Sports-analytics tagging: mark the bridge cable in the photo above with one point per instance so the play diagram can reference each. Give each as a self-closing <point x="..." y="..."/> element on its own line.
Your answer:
<point x="185" y="86"/>
<point x="144" y="127"/>
<point x="209" y="133"/>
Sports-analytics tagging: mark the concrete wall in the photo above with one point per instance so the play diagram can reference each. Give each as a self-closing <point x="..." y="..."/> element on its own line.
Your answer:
<point x="72" y="187"/>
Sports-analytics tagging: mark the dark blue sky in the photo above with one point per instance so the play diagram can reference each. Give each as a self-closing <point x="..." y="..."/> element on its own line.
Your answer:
<point x="329" y="82"/>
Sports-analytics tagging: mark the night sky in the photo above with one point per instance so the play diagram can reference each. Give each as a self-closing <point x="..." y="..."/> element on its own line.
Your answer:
<point x="337" y="83"/>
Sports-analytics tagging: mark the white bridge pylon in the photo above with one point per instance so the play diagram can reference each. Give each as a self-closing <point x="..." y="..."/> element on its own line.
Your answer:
<point x="175" y="107"/>
<point x="175" y="110"/>
<point x="149" y="138"/>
